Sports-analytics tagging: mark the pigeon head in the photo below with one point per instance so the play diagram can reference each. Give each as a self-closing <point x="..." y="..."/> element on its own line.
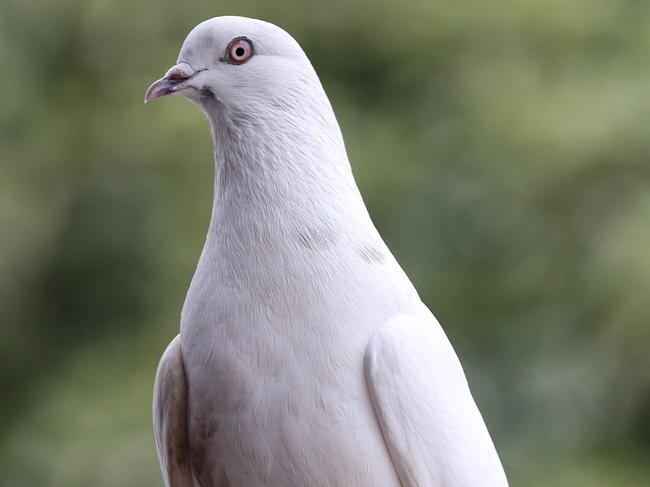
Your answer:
<point x="237" y="64"/>
<point x="273" y="127"/>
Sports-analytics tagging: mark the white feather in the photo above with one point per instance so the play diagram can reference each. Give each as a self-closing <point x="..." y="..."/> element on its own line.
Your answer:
<point x="432" y="427"/>
<point x="292" y="284"/>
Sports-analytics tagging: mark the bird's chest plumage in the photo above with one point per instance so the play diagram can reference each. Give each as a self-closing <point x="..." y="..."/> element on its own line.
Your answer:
<point x="279" y="397"/>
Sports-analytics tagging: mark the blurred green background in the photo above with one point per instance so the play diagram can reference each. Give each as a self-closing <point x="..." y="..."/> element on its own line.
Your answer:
<point x="502" y="149"/>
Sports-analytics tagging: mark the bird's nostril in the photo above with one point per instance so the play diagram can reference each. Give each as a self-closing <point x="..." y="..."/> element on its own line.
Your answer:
<point x="177" y="77"/>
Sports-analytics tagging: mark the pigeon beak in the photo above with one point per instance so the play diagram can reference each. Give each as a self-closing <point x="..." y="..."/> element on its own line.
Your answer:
<point x="163" y="87"/>
<point x="173" y="81"/>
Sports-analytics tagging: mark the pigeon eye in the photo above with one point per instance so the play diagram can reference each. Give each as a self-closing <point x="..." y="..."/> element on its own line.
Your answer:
<point x="239" y="50"/>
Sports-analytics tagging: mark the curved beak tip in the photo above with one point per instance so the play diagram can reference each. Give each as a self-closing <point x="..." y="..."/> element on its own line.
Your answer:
<point x="157" y="89"/>
<point x="172" y="82"/>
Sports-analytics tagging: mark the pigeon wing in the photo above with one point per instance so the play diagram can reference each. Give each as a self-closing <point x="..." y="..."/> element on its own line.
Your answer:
<point x="170" y="417"/>
<point x="432" y="428"/>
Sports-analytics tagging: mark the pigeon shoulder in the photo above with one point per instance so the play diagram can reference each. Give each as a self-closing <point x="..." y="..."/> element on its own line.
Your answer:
<point x="431" y="425"/>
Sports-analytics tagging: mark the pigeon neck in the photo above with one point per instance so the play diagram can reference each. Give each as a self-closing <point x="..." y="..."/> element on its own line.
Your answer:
<point x="282" y="173"/>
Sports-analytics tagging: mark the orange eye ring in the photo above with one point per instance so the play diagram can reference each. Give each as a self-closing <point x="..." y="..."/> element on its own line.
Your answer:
<point x="239" y="50"/>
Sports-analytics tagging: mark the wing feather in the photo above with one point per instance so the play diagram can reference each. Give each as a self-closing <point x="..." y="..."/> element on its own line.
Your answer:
<point x="170" y="417"/>
<point x="433" y="430"/>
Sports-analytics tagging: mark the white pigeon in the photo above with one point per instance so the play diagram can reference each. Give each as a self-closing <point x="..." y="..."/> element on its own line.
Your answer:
<point x="305" y="356"/>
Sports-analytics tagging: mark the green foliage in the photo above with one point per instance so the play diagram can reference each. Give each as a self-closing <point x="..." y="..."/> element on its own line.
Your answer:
<point x="502" y="150"/>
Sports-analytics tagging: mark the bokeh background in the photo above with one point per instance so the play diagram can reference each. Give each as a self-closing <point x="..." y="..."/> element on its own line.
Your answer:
<point x="502" y="148"/>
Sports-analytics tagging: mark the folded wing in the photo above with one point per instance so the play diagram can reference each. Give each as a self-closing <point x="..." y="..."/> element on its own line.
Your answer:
<point x="433" y="430"/>
<point x="170" y="417"/>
